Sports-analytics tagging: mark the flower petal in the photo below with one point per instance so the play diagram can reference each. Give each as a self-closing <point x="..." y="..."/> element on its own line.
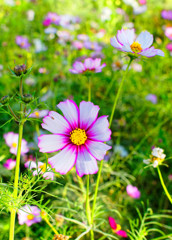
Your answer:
<point x="30" y="164"/>
<point x="52" y="142"/>
<point x="70" y="111"/>
<point x="56" y="123"/>
<point x="88" y="114"/>
<point x="115" y="43"/>
<point x="126" y="38"/>
<point x="79" y="67"/>
<point x="145" y="39"/>
<point x="64" y="160"/>
<point x="122" y="233"/>
<point x="89" y="63"/>
<point x="151" y="52"/>
<point x="85" y="163"/>
<point x="99" y="131"/>
<point x="112" y="223"/>
<point x="97" y="149"/>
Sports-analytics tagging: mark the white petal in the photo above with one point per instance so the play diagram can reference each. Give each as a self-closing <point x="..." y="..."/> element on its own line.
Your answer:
<point x="97" y="149"/>
<point x="145" y="39"/>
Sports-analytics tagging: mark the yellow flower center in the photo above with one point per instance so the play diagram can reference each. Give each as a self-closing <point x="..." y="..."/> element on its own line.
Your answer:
<point x="30" y="217"/>
<point x="136" y="47"/>
<point x="43" y="167"/>
<point x="78" y="136"/>
<point x="22" y="44"/>
<point x="118" y="228"/>
<point x="37" y="114"/>
<point x="14" y="145"/>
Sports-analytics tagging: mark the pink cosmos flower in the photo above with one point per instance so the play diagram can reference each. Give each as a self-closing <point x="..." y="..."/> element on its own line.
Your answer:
<point x="142" y="2"/>
<point x="11" y="140"/>
<point x="77" y="44"/>
<point x="29" y="215"/>
<point x="166" y="14"/>
<point x="39" y="113"/>
<point x="40" y="168"/>
<point x="133" y="191"/>
<point x="93" y="65"/>
<point x="10" y="164"/>
<point x="169" y="47"/>
<point x="42" y="70"/>
<point x="127" y="42"/>
<point x="116" y="228"/>
<point x="51" y="18"/>
<point x="168" y="32"/>
<point x="22" y="42"/>
<point x="152" y="98"/>
<point x="80" y="136"/>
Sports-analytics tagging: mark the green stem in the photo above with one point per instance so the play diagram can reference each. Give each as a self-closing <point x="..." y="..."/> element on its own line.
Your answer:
<point x="50" y="225"/>
<point x="163" y="185"/>
<point x="16" y="181"/>
<point x="21" y="94"/>
<point x="12" y="112"/>
<point x="88" y="202"/>
<point x="119" y="91"/>
<point x="89" y="88"/>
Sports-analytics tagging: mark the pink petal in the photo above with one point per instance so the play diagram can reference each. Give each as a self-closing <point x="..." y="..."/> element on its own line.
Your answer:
<point x="112" y="223"/>
<point x="97" y="149"/>
<point x="88" y="114"/>
<point x="85" y="163"/>
<point x="115" y="43"/>
<point x="126" y="38"/>
<point x="79" y="67"/>
<point x="52" y="142"/>
<point x="64" y="160"/>
<point x="122" y="233"/>
<point x="145" y="39"/>
<point x="89" y="64"/>
<point x="100" y="131"/>
<point x="151" y="52"/>
<point x="70" y="111"/>
<point x="97" y="62"/>
<point x="56" y="123"/>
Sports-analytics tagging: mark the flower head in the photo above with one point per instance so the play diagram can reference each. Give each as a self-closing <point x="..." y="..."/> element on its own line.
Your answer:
<point x="29" y="215"/>
<point x="156" y="158"/>
<point x="168" y="32"/>
<point x="51" y="18"/>
<point x="40" y="168"/>
<point x="11" y="140"/>
<point x="133" y="191"/>
<point x="169" y="47"/>
<point x="166" y="14"/>
<point x="89" y="65"/>
<point x="152" y="98"/>
<point x="10" y="164"/>
<point x="39" y="113"/>
<point x="117" y="228"/>
<point x="22" y="42"/>
<point x="126" y="42"/>
<point x="80" y="136"/>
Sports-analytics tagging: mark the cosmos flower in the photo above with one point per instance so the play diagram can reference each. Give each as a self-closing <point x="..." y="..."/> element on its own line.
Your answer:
<point x="80" y="136"/>
<point x="156" y="158"/>
<point x="77" y="44"/>
<point x="152" y="98"/>
<point x="29" y="215"/>
<point x="30" y="15"/>
<point x="133" y="191"/>
<point x="40" y="168"/>
<point x="42" y="70"/>
<point x="39" y="113"/>
<point x="92" y="46"/>
<point x="82" y="37"/>
<point x="51" y="17"/>
<point x="10" y="164"/>
<point x="126" y="42"/>
<point x="168" y="32"/>
<point x="11" y="140"/>
<point x="89" y="64"/>
<point x="22" y="42"/>
<point x="166" y="14"/>
<point x="116" y="228"/>
<point x="169" y="47"/>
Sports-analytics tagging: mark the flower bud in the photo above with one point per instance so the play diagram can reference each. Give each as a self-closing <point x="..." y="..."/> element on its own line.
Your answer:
<point x="27" y="98"/>
<point x="20" y="69"/>
<point x="5" y="99"/>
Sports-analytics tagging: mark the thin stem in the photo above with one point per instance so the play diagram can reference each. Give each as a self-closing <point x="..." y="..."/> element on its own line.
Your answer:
<point x="21" y="94"/>
<point x="88" y="213"/>
<point x="12" y="112"/>
<point x="50" y="225"/>
<point x="163" y="185"/>
<point x="16" y="180"/>
<point x="89" y="88"/>
<point x="119" y="91"/>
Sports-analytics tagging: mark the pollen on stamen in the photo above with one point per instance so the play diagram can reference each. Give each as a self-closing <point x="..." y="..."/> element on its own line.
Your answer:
<point x="136" y="47"/>
<point x="78" y="136"/>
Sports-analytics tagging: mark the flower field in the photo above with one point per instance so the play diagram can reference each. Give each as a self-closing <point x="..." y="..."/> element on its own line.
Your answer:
<point x="85" y="119"/>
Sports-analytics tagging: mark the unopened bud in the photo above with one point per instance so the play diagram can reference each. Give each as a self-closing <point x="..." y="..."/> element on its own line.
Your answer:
<point x="20" y="69"/>
<point x="5" y="99"/>
<point x="27" y="98"/>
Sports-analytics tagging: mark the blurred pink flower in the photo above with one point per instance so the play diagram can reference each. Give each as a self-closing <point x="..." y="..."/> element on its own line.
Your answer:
<point x="166" y="14"/>
<point x="10" y="164"/>
<point x="126" y="42"/>
<point x="133" y="191"/>
<point x="51" y="17"/>
<point x="29" y="215"/>
<point x="116" y="228"/>
<point x="22" y="42"/>
<point x="169" y="47"/>
<point x="39" y="113"/>
<point x="170" y="177"/>
<point x="11" y="140"/>
<point x="80" y="136"/>
<point x="152" y="98"/>
<point x="168" y="32"/>
<point x="42" y="70"/>
<point x="93" y="65"/>
<point x="40" y="168"/>
<point x="142" y="2"/>
<point x="77" y="44"/>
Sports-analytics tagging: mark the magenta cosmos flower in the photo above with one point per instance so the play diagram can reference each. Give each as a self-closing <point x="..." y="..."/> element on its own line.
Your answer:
<point x="11" y="140"/>
<point x="10" y="164"/>
<point x="40" y="168"/>
<point x="117" y="228"/>
<point x="29" y="215"/>
<point x="22" y="42"/>
<point x="127" y="42"/>
<point x="93" y="65"/>
<point x="133" y="191"/>
<point x="80" y="136"/>
<point x="51" y="18"/>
